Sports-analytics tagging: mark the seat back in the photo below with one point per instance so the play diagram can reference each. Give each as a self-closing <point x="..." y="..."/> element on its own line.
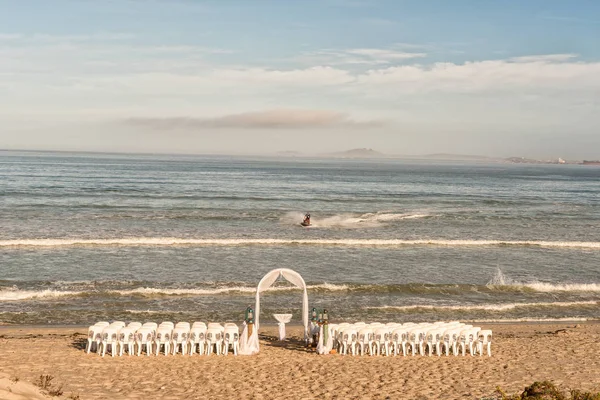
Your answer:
<point x="382" y="334"/>
<point x="182" y="325"/>
<point x="364" y="335"/>
<point x="213" y="335"/>
<point x="127" y="335"/>
<point x="232" y="334"/>
<point x="134" y="325"/>
<point x="110" y="333"/>
<point x="164" y="334"/>
<point x="144" y="335"/>
<point x="198" y="324"/>
<point x="484" y="336"/>
<point x="102" y="323"/>
<point x="180" y="334"/>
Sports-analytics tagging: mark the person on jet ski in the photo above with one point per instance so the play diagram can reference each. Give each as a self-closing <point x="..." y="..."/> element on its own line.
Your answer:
<point x="306" y="219"/>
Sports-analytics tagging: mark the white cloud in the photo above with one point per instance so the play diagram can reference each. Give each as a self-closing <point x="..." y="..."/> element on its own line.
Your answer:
<point x="544" y="58"/>
<point x="366" y="56"/>
<point x="538" y="73"/>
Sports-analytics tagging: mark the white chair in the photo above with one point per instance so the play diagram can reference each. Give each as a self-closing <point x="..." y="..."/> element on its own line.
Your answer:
<point x="180" y="337"/>
<point x="231" y="337"/>
<point x="198" y="323"/>
<point x="109" y="338"/>
<point x="197" y="337"/>
<point x="127" y="337"/>
<point x="349" y="338"/>
<point x="144" y="336"/>
<point x="163" y="338"/>
<point x="150" y="325"/>
<point x="381" y="340"/>
<point x="214" y="338"/>
<point x="399" y="339"/>
<point x="134" y="325"/>
<point x="365" y="338"/>
<point x="468" y="337"/>
<point x="183" y="325"/>
<point x="95" y="336"/>
<point x="118" y="324"/>
<point x="484" y="338"/>
<point x="416" y="336"/>
<point x="433" y="338"/>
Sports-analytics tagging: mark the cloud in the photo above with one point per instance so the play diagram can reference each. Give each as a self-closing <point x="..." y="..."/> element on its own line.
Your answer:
<point x="366" y="56"/>
<point x="269" y="119"/>
<point x="544" y="58"/>
<point x="551" y="72"/>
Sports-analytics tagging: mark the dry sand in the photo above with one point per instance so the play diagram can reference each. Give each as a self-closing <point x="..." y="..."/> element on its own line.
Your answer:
<point x="521" y="354"/>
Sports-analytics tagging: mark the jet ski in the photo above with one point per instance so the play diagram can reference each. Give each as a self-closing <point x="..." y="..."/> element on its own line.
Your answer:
<point x="306" y="220"/>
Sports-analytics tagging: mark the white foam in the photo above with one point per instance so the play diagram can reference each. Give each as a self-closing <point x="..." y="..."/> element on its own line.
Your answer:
<point x="525" y="319"/>
<point x="486" y="307"/>
<point x="239" y="289"/>
<point x="500" y="279"/>
<point x="13" y="295"/>
<point x="171" y="241"/>
<point x="351" y="220"/>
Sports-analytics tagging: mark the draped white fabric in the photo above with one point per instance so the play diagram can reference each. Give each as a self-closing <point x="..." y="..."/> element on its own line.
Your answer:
<point x="325" y="348"/>
<point x="248" y="346"/>
<point x="251" y="346"/>
<point x="282" y="319"/>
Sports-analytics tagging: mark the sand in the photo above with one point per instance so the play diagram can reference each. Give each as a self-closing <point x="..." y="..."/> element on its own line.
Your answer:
<point x="567" y="354"/>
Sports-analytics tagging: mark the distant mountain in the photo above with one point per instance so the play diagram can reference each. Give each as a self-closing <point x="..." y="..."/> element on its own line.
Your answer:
<point x="357" y="153"/>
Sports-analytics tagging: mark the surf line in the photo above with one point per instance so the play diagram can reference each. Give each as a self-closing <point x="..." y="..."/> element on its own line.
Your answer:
<point x="170" y="241"/>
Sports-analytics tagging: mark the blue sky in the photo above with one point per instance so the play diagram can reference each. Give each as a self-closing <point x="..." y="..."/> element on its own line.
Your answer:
<point x="405" y="77"/>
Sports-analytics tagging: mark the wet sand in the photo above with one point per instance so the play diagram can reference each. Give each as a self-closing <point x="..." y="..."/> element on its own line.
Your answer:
<point x="567" y="354"/>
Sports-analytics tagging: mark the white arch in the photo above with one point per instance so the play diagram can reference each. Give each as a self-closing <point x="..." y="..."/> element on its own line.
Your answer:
<point x="251" y="345"/>
<point x="291" y="276"/>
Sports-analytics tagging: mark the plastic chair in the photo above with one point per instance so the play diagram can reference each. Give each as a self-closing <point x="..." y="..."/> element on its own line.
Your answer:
<point x="365" y="338"/>
<point x="95" y="336"/>
<point x="399" y="339"/>
<point x="183" y="325"/>
<point x="144" y="336"/>
<point x="381" y="340"/>
<point x="433" y="338"/>
<point x="163" y="338"/>
<point x="134" y="325"/>
<point x="416" y="336"/>
<point x="127" y="337"/>
<point x="118" y="324"/>
<point x="214" y="338"/>
<point x="484" y="338"/>
<point x="180" y="337"/>
<point x="197" y="336"/>
<point x="109" y="338"/>
<point x="468" y="337"/>
<point x="231" y="337"/>
<point x="349" y="340"/>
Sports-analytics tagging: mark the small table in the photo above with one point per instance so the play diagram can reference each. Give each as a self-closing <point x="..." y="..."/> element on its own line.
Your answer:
<point x="282" y="319"/>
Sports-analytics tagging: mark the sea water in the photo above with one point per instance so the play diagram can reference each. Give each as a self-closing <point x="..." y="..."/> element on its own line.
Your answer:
<point x="88" y="237"/>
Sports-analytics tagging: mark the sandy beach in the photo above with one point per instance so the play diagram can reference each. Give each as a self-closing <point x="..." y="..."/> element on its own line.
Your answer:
<point x="567" y="354"/>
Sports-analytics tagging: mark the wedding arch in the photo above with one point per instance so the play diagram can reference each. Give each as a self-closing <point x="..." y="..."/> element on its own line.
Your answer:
<point x="251" y="345"/>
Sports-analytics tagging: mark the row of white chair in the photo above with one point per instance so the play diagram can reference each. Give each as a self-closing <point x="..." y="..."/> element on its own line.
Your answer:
<point x="171" y="337"/>
<point x="439" y="338"/>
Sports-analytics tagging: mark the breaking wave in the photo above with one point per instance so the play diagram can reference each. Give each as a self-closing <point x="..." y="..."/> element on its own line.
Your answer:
<point x="484" y="307"/>
<point x="171" y="241"/>
<point x="15" y="295"/>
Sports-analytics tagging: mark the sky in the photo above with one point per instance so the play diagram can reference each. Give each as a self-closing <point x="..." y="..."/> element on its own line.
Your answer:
<point x="496" y="78"/>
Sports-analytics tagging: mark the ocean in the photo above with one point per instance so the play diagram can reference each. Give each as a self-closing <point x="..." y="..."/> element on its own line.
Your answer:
<point x="88" y="237"/>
